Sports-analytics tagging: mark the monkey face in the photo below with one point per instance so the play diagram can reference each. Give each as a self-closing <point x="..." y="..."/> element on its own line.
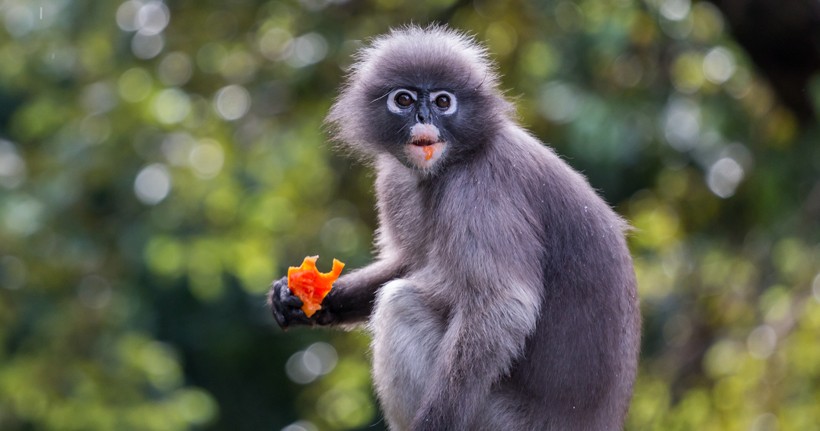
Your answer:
<point x="428" y="126"/>
<point x="429" y="99"/>
<point x="424" y="111"/>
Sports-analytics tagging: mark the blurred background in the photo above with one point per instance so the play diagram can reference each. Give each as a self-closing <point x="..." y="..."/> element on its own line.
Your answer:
<point x="162" y="161"/>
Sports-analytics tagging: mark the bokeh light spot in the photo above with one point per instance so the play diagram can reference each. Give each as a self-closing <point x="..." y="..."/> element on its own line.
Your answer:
<point x="176" y="147"/>
<point x="98" y="98"/>
<point x="238" y="66"/>
<point x="345" y="408"/>
<point x="707" y="20"/>
<point x="206" y="158"/>
<point x="165" y="256"/>
<point x="135" y="85"/>
<point x="22" y="214"/>
<point x="722" y="358"/>
<point x="210" y="56"/>
<point x="195" y="406"/>
<point x="152" y="18"/>
<point x="718" y="65"/>
<point x="762" y="342"/>
<point x="687" y="72"/>
<point x="127" y="15"/>
<point x="327" y="356"/>
<point x="256" y="272"/>
<point x="152" y="184"/>
<point x="19" y="19"/>
<point x="724" y="176"/>
<point x="539" y="59"/>
<point x="273" y="43"/>
<point x="307" y="365"/>
<point x="675" y="10"/>
<point x="160" y="364"/>
<point x="12" y="166"/>
<point x="147" y="46"/>
<point x="175" y="69"/>
<point x="305" y="50"/>
<point x="232" y="102"/>
<point x="501" y="38"/>
<point x="682" y="124"/>
<point x="301" y="426"/>
<point x="765" y="422"/>
<point x="559" y="102"/>
<point x="171" y="106"/>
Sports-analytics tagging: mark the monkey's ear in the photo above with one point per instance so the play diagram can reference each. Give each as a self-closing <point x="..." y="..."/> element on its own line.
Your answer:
<point x="350" y="122"/>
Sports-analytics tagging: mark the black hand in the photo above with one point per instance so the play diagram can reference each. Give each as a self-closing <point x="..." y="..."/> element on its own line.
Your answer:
<point x="285" y="306"/>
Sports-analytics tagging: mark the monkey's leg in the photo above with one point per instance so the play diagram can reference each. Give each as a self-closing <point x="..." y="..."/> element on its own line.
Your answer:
<point x="481" y="341"/>
<point x="406" y="334"/>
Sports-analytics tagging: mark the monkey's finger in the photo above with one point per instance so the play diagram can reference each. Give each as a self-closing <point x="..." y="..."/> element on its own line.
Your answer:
<point x="280" y="319"/>
<point x="279" y="312"/>
<point x="282" y="294"/>
<point x="298" y="316"/>
<point x="286" y="297"/>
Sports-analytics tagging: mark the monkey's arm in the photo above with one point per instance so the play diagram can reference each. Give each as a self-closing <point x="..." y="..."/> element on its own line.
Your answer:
<point x="349" y="302"/>
<point x="352" y="297"/>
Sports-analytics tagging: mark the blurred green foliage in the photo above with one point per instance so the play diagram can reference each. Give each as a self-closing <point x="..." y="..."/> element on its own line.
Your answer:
<point x="161" y="162"/>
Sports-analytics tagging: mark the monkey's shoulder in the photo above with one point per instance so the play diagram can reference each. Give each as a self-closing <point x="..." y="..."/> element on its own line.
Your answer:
<point x="540" y="180"/>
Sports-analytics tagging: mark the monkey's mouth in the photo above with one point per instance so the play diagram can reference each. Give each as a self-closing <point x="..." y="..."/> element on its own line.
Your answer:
<point x="425" y="146"/>
<point x="424" y="152"/>
<point x="423" y="142"/>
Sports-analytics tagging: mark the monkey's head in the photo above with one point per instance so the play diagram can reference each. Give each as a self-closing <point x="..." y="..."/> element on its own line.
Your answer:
<point x="428" y="96"/>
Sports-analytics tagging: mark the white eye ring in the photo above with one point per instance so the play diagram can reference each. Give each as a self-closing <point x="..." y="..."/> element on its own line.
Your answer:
<point x="393" y="106"/>
<point x="451" y="99"/>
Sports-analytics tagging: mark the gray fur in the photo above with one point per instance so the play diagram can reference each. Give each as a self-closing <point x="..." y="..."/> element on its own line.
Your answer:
<point x="503" y="296"/>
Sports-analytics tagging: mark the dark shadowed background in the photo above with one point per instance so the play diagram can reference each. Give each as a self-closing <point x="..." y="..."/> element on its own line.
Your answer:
<point x="162" y="162"/>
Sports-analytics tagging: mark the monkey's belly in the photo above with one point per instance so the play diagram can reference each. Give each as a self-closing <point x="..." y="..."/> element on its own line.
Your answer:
<point x="406" y="335"/>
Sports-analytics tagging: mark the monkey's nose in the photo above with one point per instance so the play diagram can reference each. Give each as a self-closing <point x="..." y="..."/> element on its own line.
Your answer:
<point x="423" y="114"/>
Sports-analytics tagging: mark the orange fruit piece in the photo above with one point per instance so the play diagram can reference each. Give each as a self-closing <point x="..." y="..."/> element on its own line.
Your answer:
<point x="428" y="152"/>
<point x="310" y="285"/>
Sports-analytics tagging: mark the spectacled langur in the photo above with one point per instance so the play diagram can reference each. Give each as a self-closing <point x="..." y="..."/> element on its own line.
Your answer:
<point x="503" y="295"/>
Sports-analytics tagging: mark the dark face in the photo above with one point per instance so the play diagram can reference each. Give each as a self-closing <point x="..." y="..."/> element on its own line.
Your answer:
<point x="430" y="121"/>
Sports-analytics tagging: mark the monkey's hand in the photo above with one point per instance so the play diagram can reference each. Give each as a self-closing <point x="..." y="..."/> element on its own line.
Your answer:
<point x="287" y="307"/>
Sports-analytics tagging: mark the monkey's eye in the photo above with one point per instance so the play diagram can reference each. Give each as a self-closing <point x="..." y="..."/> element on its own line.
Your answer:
<point x="399" y="100"/>
<point x="444" y="101"/>
<point x="404" y="99"/>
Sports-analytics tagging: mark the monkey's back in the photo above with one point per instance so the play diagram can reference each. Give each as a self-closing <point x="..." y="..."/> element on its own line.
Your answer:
<point x="579" y="366"/>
